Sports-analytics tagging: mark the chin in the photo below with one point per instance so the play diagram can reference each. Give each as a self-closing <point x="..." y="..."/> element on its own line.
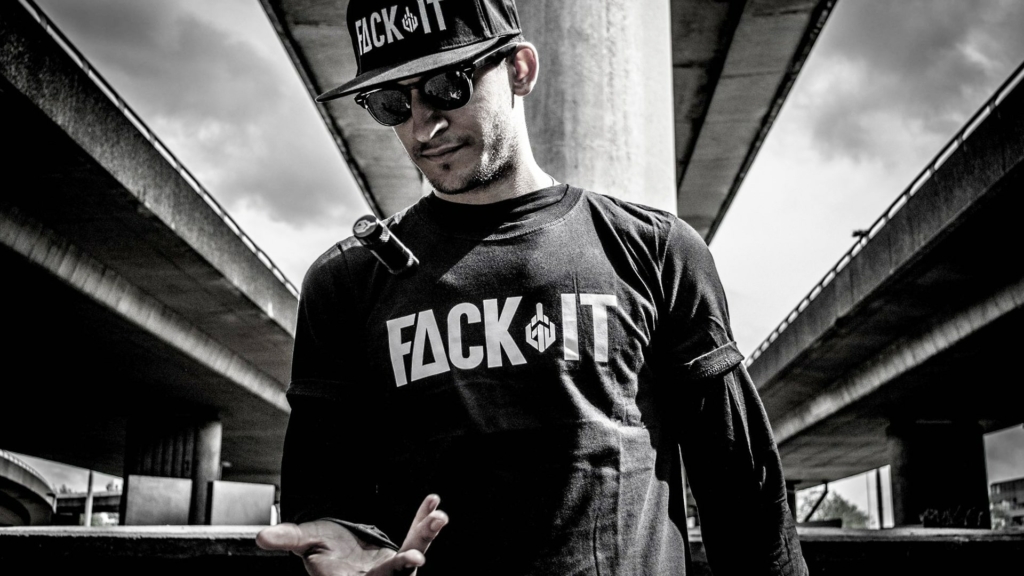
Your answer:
<point x="446" y="180"/>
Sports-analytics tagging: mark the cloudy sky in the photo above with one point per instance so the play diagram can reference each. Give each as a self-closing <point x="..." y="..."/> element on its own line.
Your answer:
<point x="888" y="83"/>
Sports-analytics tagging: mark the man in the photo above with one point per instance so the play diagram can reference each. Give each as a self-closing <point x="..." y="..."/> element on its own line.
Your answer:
<point x="542" y="368"/>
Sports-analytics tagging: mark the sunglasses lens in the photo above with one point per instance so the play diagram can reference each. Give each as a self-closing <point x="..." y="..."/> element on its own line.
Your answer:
<point x="448" y="91"/>
<point x="389" y="107"/>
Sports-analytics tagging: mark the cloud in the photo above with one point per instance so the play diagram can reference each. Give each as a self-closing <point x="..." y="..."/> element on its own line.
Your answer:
<point x="917" y="66"/>
<point x="232" y="109"/>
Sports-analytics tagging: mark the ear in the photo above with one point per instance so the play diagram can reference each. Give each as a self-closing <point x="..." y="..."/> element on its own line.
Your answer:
<point x="523" y="69"/>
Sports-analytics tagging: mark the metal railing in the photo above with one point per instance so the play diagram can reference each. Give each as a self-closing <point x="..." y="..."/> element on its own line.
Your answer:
<point x="865" y="236"/>
<point x="135" y="119"/>
<point x="4" y="454"/>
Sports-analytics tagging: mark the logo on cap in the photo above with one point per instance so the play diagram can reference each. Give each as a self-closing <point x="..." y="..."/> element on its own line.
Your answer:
<point x="379" y="29"/>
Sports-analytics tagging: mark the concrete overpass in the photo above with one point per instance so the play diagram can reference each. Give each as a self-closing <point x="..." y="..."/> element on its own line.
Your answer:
<point x="624" y="83"/>
<point x="26" y="498"/>
<point x="143" y="325"/>
<point x="905" y="353"/>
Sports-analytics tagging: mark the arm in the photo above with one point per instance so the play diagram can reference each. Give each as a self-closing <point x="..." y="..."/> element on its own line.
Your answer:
<point x="729" y="454"/>
<point x="327" y="491"/>
<point x="327" y="453"/>
<point x="327" y="484"/>
<point x="328" y="448"/>
<point x="736" y="477"/>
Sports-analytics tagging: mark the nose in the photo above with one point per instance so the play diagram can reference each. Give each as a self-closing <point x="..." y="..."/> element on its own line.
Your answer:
<point x="427" y="121"/>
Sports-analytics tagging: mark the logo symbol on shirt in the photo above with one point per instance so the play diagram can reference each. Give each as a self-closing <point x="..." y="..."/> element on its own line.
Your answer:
<point x="540" y="332"/>
<point x="409" y="22"/>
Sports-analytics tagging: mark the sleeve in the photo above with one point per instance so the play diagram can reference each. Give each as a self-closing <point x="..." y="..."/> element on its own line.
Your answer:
<point x="730" y="456"/>
<point x="326" y="471"/>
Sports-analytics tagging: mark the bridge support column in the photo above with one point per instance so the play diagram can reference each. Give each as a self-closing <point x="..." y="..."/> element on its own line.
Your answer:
<point x="938" y="474"/>
<point x="791" y="497"/>
<point x="183" y="446"/>
<point x="205" y="469"/>
<point x="602" y="115"/>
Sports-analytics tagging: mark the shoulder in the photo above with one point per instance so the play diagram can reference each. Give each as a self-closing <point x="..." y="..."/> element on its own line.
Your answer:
<point x="346" y="261"/>
<point x="662" y="228"/>
<point x="335" y="267"/>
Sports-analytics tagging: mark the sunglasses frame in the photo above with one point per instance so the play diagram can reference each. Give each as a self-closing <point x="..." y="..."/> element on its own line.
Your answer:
<point x="465" y="70"/>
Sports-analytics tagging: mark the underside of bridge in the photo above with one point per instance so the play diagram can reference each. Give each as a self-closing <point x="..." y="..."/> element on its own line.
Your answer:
<point x="728" y="67"/>
<point x="128" y="297"/>
<point x="919" y="331"/>
<point x="26" y="498"/>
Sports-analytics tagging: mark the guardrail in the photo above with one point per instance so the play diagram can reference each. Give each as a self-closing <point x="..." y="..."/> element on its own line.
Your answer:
<point x="865" y="236"/>
<point x="135" y="119"/>
<point x="9" y="456"/>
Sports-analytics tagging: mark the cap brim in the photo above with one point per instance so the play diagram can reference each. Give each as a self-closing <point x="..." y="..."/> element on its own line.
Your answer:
<point x="413" y="68"/>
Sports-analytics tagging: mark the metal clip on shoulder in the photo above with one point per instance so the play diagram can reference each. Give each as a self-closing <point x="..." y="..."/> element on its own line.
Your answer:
<point x="379" y="240"/>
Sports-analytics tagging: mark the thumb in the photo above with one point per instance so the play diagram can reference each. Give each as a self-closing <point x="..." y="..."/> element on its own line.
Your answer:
<point x="286" y="536"/>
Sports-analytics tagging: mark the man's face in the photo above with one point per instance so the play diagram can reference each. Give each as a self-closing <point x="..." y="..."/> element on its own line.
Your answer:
<point x="466" y="148"/>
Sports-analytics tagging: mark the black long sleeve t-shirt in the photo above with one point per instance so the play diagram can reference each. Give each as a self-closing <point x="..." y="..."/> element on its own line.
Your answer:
<point x="547" y="369"/>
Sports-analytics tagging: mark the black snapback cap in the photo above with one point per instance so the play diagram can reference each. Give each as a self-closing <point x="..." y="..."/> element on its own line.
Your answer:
<point x="396" y="39"/>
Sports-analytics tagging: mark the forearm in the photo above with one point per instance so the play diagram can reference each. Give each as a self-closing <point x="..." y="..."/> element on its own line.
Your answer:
<point x="325" y="472"/>
<point x="736" y="477"/>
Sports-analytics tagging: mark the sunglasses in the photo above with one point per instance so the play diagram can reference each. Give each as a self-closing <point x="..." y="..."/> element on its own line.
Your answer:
<point x="449" y="89"/>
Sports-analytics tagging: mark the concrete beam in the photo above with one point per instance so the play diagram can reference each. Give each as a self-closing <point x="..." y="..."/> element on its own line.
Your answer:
<point x="729" y="93"/>
<point x="851" y="318"/>
<point x="74" y="504"/>
<point x="81" y="166"/>
<point x="317" y="39"/>
<point x="898" y="359"/>
<point x="26" y="497"/>
<point x="65" y="261"/>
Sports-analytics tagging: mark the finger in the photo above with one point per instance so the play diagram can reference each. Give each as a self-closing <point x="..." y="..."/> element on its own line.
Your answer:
<point x="421" y="535"/>
<point x="429" y="504"/>
<point x="286" y="536"/>
<point x="400" y="564"/>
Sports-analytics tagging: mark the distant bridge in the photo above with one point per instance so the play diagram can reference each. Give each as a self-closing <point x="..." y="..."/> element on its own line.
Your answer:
<point x="904" y="353"/>
<point x="26" y="498"/>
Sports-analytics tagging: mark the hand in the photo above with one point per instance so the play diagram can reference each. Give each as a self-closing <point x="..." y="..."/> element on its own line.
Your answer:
<point x="329" y="549"/>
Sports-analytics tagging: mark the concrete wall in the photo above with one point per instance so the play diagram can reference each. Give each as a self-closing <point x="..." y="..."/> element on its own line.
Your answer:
<point x="201" y="551"/>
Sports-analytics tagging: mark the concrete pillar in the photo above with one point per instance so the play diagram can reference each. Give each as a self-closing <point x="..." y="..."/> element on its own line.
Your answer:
<point x="206" y="469"/>
<point x="938" y="474"/>
<point x="87" y="516"/>
<point x="602" y="114"/>
<point x="791" y="498"/>
<point x="176" y="446"/>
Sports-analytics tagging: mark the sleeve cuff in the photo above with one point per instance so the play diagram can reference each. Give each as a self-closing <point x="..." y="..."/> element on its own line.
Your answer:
<point x="366" y="533"/>
<point x="714" y="363"/>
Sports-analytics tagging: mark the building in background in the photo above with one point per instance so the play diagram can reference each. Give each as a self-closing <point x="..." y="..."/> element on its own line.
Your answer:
<point x="1007" y="499"/>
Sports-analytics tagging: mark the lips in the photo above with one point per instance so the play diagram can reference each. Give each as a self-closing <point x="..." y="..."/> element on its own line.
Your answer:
<point x="440" y="153"/>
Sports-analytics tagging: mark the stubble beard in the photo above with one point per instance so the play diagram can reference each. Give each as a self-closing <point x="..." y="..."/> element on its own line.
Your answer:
<point x="496" y="162"/>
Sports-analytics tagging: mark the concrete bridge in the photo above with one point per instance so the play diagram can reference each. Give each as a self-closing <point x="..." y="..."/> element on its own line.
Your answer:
<point x="149" y="334"/>
<point x="904" y="353"/>
<point x="26" y="498"/>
